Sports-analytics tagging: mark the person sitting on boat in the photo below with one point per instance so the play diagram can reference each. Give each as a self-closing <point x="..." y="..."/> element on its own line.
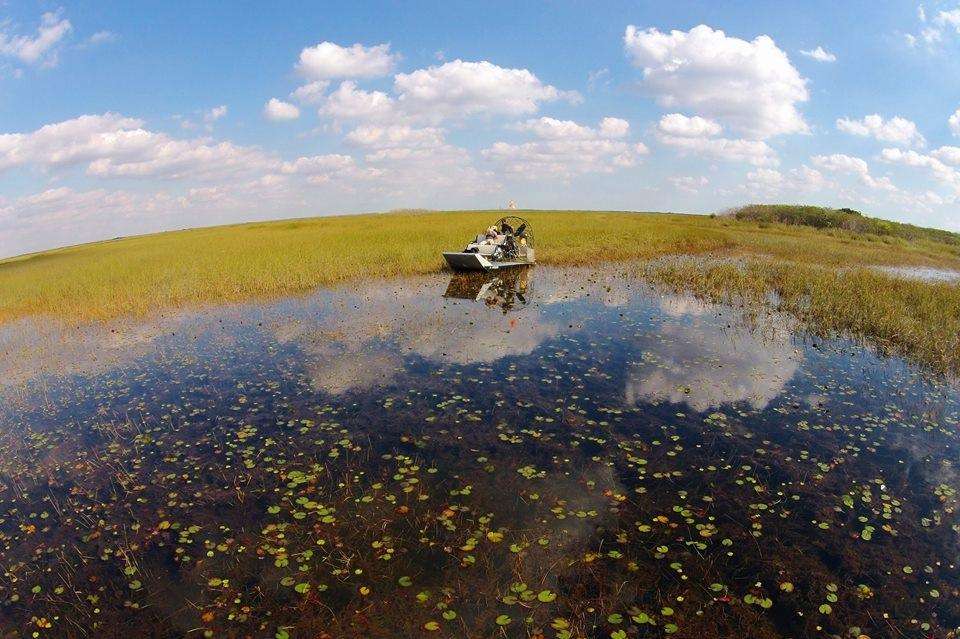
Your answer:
<point x="491" y="236"/>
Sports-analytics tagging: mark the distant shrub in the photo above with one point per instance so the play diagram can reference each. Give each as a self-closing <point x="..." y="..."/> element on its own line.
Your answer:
<point x="844" y="219"/>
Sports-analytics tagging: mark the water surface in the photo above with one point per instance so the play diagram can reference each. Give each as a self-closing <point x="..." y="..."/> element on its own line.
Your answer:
<point x="556" y="453"/>
<point x="922" y="273"/>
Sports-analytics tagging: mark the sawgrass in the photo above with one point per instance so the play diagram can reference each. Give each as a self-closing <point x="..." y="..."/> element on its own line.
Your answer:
<point x="817" y="271"/>
<point x="919" y="320"/>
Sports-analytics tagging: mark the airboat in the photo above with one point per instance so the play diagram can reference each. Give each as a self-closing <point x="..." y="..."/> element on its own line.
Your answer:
<point x="508" y="243"/>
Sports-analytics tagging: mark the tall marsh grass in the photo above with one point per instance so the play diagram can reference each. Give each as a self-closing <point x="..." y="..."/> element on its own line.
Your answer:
<point x="816" y="271"/>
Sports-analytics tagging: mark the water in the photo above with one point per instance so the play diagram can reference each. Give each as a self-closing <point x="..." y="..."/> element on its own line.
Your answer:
<point x="923" y="273"/>
<point x="572" y="454"/>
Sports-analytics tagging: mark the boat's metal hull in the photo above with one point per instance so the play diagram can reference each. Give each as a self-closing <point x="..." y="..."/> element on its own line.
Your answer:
<point x="477" y="262"/>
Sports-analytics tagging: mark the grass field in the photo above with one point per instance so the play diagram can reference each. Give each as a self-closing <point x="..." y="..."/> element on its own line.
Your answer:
<point x="808" y="264"/>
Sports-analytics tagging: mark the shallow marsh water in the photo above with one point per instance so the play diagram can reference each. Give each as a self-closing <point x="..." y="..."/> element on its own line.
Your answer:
<point x="557" y="453"/>
<point x="923" y="273"/>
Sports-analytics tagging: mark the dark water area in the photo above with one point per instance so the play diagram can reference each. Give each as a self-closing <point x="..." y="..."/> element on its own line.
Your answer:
<point x="553" y="453"/>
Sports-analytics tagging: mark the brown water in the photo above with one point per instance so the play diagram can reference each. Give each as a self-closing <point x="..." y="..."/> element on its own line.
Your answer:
<point x="573" y="454"/>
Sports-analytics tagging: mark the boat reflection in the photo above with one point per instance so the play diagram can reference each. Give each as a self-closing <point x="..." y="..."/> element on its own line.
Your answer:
<point x="504" y="288"/>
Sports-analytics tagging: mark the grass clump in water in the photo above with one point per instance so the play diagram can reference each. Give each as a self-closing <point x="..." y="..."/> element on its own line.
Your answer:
<point x="914" y="318"/>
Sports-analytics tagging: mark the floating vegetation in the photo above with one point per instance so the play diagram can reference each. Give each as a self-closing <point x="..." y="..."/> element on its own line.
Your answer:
<point x="587" y="458"/>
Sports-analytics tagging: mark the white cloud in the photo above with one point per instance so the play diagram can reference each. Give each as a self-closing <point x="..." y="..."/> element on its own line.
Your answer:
<point x="454" y="90"/>
<point x="614" y="128"/>
<point x="553" y="129"/>
<point x="41" y="48"/>
<point x="64" y="203"/>
<point x="840" y="163"/>
<point x="769" y="183"/>
<point x="215" y="113"/>
<point x="311" y="93"/>
<point x="948" y="154"/>
<point x="564" y="158"/>
<point x="279" y="111"/>
<point x="381" y="137"/>
<point x="937" y="167"/>
<point x="750" y="86"/>
<point x="846" y="164"/>
<point x="349" y="102"/>
<point x="897" y="130"/>
<point x="683" y="126"/>
<point x="954" y="122"/>
<point x="101" y="37"/>
<point x="820" y="55"/>
<point x="328" y="60"/>
<point x="81" y="139"/>
<point x="933" y="34"/>
<point x="459" y="89"/>
<point x="769" y="177"/>
<point x="695" y="135"/>
<point x="689" y="183"/>
<point x="807" y="179"/>
<point x="755" y="152"/>
<point x="949" y="18"/>
<point x="598" y="78"/>
<point x="319" y="165"/>
<point x="118" y="146"/>
<point x="565" y="148"/>
<point x="172" y="159"/>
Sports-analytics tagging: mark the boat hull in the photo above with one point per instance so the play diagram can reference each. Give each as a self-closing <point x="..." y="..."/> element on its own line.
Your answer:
<point x="477" y="262"/>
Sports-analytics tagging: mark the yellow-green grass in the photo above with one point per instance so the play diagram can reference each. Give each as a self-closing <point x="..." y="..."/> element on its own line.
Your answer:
<point x="920" y="320"/>
<point x="138" y="275"/>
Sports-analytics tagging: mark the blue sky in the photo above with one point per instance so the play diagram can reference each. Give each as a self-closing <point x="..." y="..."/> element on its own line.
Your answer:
<point x="117" y="120"/>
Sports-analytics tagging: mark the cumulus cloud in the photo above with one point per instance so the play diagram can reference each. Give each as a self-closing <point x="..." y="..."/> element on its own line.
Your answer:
<point x="949" y="18"/>
<point x="311" y="93"/>
<point x="399" y="160"/>
<point x="113" y="145"/>
<point x="214" y="114"/>
<point x="769" y="183"/>
<point x="329" y="60"/>
<point x="954" y="123"/>
<point x="349" y="102"/>
<point x="565" y="148"/>
<point x="38" y="49"/>
<point x="683" y="126"/>
<point x="280" y="111"/>
<point x="72" y="141"/>
<point x="198" y="158"/>
<point x="554" y="129"/>
<point x="819" y="54"/>
<point x="101" y="37"/>
<point x="846" y="164"/>
<point x="689" y="183"/>
<point x="948" y="154"/>
<point x="454" y="90"/>
<point x="459" y="89"/>
<point x="750" y="86"/>
<point x="896" y="130"/>
<point x="933" y="31"/>
<point x="933" y="163"/>
<point x="695" y="136"/>
<point x="755" y="152"/>
<point x="327" y="165"/>
<point x="63" y="203"/>
<point x="614" y="128"/>
<point x="393" y="136"/>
